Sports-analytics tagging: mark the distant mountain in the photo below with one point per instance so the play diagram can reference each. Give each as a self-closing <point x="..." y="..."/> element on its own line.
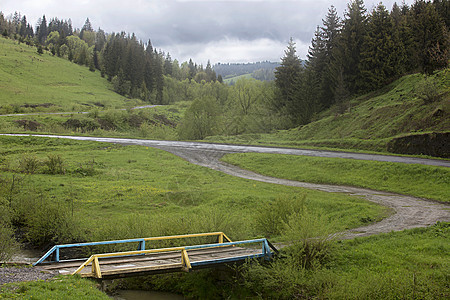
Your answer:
<point x="260" y="70"/>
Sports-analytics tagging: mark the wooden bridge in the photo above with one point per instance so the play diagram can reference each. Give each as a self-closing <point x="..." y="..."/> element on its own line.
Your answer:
<point x="154" y="261"/>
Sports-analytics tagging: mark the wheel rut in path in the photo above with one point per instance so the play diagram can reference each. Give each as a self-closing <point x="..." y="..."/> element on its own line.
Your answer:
<point x="410" y="212"/>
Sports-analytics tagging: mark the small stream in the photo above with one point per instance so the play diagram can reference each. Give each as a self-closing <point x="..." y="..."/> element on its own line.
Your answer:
<point x="25" y="256"/>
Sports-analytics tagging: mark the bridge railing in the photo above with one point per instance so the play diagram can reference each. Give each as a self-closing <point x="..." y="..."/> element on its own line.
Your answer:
<point x="54" y="252"/>
<point x="186" y="264"/>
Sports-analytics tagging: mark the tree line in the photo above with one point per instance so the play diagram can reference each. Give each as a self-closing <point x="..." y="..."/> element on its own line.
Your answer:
<point x="360" y="53"/>
<point x="136" y="69"/>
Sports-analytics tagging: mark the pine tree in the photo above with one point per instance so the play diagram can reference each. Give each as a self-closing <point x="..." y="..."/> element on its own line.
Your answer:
<point x="350" y="43"/>
<point x="431" y="42"/>
<point x="42" y="31"/>
<point x="168" y="65"/>
<point x="331" y="30"/>
<point x="382" y="53"/>
<point x="288" y="82"/>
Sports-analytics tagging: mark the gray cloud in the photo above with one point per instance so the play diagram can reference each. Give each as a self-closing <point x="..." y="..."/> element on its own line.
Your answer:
<point x="223" y="31"/>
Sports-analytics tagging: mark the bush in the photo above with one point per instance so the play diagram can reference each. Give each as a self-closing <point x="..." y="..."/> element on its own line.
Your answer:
<point x="29" y="164"/>
<point x="55" y="164"/>
<point x="429" y="90"/>
<point x="8" y="244"/>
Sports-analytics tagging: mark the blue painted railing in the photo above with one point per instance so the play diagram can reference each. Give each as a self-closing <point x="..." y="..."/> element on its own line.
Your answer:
<point x="55" y="250"/>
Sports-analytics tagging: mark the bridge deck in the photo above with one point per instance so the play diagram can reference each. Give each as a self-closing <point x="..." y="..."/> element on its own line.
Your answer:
<point x="155" y="263"/>
<point x="160" y="260"/>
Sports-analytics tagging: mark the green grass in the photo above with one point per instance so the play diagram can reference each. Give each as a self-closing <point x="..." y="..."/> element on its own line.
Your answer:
<point x="417" y="180"/>
<point x="152" y="123"/>
<point x="412" y="264"/>
<point x="26" y="77"/>
<point x="232" y="80"/>
<point x="61" y="287"/>
<point x="132" y="191"/>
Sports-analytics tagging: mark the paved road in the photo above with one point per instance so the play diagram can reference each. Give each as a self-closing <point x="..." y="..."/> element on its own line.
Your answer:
<point x="409" y="212"/>
<point x="226" y="148"/>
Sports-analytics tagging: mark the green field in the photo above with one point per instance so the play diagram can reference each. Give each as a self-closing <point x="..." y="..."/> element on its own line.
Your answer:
<point x="29" y="78"/>
<point x="117" y="192"/>
<point x="411" y="179"/>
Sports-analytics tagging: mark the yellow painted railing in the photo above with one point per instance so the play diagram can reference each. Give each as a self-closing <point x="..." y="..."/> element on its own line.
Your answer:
<point x="186" y="265"/>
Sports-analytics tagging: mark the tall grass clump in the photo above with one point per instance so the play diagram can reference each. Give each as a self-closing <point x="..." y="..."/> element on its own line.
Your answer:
<point x="55" y="164"/>
<point x="300" y="270"/>
<point x="311" y="239"/>
<point x="273" y="215"/>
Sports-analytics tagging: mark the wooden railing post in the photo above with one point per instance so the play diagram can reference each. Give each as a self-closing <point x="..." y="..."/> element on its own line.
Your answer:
<point x="96" y="268"/>
<point x="185" y="261"/>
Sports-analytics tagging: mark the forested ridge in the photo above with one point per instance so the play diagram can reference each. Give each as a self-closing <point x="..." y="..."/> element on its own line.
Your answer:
<point x="362" y="52"/>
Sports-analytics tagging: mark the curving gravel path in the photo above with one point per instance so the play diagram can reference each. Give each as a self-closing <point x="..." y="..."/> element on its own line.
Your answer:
<point x="409" y="211"/>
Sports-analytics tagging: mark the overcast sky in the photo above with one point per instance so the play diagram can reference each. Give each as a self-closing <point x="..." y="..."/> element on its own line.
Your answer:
<point x="219" y="30"/>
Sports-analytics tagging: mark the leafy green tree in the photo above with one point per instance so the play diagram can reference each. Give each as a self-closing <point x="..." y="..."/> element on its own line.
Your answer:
<point x="200" y="120"/>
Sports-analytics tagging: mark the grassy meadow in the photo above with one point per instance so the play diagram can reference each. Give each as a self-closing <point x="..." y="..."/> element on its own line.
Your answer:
<point x="411" y="179"/>
<point x="110" y="192"/>
<point x="61" y="287"/>
<point x="50" y="83"/>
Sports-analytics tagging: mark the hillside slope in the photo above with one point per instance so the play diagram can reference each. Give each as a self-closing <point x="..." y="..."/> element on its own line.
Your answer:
<point x="412" y="105"/>
<point x="400" y="108"/>
<point x="33" y="82"/>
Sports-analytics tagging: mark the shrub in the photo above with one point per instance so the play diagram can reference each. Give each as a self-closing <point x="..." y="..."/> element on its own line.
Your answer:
<point x="7" y="242"/>
<point x="29" y="164"/>
<point x="429" y="90"/>
<point x="55" y="164"/>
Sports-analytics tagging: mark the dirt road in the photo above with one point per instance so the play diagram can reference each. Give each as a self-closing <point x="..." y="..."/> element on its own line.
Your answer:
<point x="410" y="212"/>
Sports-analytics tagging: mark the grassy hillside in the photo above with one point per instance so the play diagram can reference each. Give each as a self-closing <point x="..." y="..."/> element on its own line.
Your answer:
<point x="413" y="104"/>
<point x="232" y="80"/>
<point x="29" y="78"/>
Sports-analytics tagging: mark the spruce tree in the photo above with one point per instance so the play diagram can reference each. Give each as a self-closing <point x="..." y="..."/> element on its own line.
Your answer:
<point x="382" y="52"/>
<point x="431" y="40"/>
<point x="288" y="82"/>
<point x="350" y="44"/>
